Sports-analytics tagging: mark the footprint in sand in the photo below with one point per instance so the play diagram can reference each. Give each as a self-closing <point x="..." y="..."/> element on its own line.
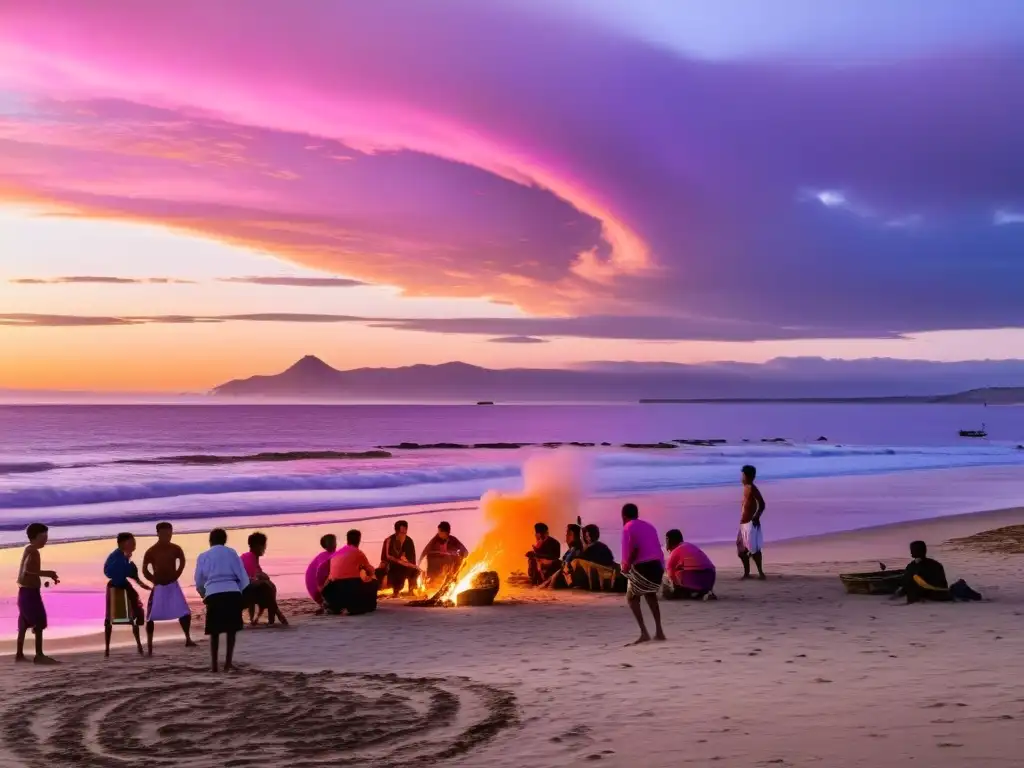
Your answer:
<point x="175" y="716"/>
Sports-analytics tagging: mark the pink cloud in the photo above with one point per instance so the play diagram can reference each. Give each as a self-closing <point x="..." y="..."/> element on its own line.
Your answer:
<point x="307" y="72"/>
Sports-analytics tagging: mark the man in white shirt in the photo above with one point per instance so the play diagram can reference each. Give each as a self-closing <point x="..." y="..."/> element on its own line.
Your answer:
<point x="220" y="578"/>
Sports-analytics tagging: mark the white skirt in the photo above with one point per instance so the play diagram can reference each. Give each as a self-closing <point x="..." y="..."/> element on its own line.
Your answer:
<point x="750" y="539"/>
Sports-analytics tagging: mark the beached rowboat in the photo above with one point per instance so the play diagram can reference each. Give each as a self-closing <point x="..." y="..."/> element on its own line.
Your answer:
<point x="874" y="583"/>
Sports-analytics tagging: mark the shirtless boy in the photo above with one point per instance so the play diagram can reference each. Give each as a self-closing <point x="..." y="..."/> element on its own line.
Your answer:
<point x="31" y="611"/>
<point x="750" y="539"/>
<point x="163" y="565"/>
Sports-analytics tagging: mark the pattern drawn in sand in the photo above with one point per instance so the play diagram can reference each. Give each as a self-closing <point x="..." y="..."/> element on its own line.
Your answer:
<point x="179" y="717"/>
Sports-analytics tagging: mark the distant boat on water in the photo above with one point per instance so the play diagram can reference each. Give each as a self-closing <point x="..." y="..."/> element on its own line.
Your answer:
<point x="974" y="432"/>
<point x="485" y="402"/>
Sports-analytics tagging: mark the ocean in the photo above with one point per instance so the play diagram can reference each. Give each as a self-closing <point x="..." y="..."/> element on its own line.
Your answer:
<point x="90" y="470"/>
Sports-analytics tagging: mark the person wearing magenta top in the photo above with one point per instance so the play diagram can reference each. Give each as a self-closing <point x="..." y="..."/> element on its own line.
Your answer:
<point x="691" y="572"/>
<point x="643" y="563"/>
<point x="316" y="572"/>
<point x="261" y="592"/>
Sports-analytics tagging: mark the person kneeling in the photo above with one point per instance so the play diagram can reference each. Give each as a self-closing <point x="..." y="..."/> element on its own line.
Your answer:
<point x="351" y="585"/>
<point x="691" y="574"/>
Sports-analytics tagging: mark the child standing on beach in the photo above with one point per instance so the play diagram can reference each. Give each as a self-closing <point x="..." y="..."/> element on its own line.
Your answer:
<point x="31" y="611"/>
<point x="750" y="539"/>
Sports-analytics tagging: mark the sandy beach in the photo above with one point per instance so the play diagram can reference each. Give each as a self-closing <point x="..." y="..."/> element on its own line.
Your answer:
<point x="789" y="672"/>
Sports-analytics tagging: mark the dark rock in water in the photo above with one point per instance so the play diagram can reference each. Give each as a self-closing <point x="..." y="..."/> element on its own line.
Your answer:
<point x="425" y="446"/>
<point x="455" y="446"/>
<point x="1020" y="447"/>
<point x="606" y="444"/>
<point x="822" y="439"/>
<point x="707" y="443"/>
<point x="209" y="459"/>
<point x="774" y="440"/>
<point x="486" y="402"/>
<point x="581" y="445"/>
<point x="658" y="446"/>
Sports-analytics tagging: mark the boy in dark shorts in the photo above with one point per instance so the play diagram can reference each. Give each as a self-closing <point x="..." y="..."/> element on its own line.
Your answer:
<point x="31" y="611"/>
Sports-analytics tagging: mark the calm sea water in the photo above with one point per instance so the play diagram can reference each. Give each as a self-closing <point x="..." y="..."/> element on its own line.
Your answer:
<point x="60" y="464"/>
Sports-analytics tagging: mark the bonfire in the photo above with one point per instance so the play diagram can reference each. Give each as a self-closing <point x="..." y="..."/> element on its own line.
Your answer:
<point x="475" y="585"/>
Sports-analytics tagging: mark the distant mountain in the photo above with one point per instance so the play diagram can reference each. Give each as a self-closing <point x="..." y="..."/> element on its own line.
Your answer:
<point x="987" y="395"/>
<point x="782" y="379"/>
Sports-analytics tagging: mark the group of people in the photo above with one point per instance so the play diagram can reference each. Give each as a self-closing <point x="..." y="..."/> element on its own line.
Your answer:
<point x="343" y="580"/>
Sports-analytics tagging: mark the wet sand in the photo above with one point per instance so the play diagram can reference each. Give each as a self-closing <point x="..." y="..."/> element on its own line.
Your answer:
<point x="787" y="672"/>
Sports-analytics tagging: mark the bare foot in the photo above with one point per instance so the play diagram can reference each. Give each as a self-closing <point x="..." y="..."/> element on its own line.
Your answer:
<point x="44" y="660"/>
<point x="659" y="635"/>
<point x="150" y="653"/>
<point x="744" y="577"/>
<point x="191" y="644"/>
<point x="762" y="577"/>
<point x="23" y="659"/>
<point x="644" y="638"/>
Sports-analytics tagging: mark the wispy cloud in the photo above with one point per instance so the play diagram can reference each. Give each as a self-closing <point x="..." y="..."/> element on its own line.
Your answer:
<point x="100" y="280"/>
<point x="518" y="340"/>
<point x="297" y="282"/>
<point x="516" y="330"/>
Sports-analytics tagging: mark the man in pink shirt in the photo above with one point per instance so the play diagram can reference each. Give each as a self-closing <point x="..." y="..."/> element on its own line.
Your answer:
<point x="643" y="563"/>
<point x="691" y="572"/>
<point x="350" y="585"/>
<point x="316" y="572"/>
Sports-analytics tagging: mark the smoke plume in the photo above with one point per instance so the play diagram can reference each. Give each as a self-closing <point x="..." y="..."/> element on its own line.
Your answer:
<point x="554" y="485"/>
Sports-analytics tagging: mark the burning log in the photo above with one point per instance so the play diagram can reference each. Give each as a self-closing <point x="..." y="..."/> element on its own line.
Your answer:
<point x="484" y="589"/>
<point x="477" y="588"/>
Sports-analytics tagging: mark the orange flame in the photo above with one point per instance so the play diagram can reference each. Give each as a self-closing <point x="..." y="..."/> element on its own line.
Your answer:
<point x="554" y="486"/>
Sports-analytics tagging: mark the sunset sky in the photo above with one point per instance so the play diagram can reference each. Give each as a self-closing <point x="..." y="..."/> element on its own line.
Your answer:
<point x="196" y="191"/>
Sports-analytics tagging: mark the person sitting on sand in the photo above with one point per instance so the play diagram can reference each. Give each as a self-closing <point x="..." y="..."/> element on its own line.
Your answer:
<point x="596" y="551"/>
<point x="120" y="571"/>
<point x="261" y="592"/>
<point x="750" y="538"/>
<point x="163" y="564"/>
<point x="31" y="611"/>
<point x="350" y="584"/>
<point x="444" y="554"/>
<point x="316" y="572"/>
<point x="544" y="559"/>
<point x="691" y="574"/>
<point x="643" y="563"/>
<point x="398" y="560"/>
<point x="220" y="578"/>
<point x="562" y="578"/>
<point x="924" y="578"/>
<point x="595" y="567"/>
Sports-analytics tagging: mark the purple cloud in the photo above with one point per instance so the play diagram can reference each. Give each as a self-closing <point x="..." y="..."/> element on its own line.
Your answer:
<point x="546" y="161"/>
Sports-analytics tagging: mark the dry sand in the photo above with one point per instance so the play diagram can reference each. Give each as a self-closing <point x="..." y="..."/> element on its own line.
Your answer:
<point x="788" y="672"/>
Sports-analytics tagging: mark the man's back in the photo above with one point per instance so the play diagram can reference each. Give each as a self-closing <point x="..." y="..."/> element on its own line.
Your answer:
<point x="930" y="570"/>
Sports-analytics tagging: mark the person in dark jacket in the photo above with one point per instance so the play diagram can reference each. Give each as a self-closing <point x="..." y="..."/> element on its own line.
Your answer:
<point x="444" y="553"/>
<point x="398" y="560"/>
